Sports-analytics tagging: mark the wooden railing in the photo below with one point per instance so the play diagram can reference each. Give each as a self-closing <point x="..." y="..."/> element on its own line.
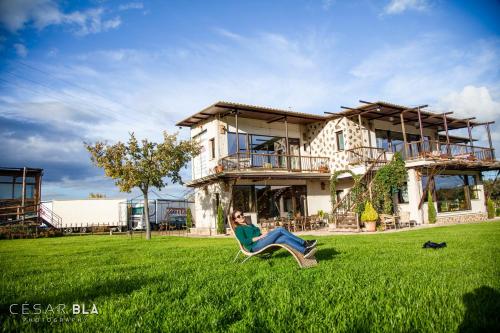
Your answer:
<point x="438" y="149"/>
<point x="32" y="212"/>
<point x="366" y="155"/>
<point x="241" y="161"/>
<point x="347" y="204"/>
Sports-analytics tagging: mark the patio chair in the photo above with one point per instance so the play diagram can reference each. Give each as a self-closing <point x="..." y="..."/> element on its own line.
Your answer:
<point x="388" y="221"/>
<point x="270" y="249"/>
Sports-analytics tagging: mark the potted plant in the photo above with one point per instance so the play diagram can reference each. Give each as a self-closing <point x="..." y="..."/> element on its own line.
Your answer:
<point x="369" y="217"/>
<point x="323" y="168"/>
<point x="219" y="168"/>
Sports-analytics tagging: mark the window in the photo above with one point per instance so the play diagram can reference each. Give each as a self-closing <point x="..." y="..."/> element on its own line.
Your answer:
<point x="212" y="148"/>
<point x="382" y="139"/>
<point x="403" y="194"/>
<point x="340" y="140"/>
<point x="232" y="146"/>
<point x="451" y="192"/>
<point x="473" y="189"/>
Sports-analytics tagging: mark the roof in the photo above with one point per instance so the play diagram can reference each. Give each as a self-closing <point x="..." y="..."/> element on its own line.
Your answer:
<point x="391" y="112"/>
<point x="251" y="111"/>
<point x="8" y="170"/>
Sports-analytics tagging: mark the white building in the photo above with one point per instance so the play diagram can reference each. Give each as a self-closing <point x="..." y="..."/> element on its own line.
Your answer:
<point x="282" y="162"/>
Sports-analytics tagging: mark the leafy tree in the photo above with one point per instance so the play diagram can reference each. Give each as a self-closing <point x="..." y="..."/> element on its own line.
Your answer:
<point x="431" y="210"/>
<point x="220" y="221"/>
<point x="388" y="179"/>
<point x="143" y="165"/>
<point x="491" y="208"/>
<point x="189" y="218"/>
<point x="97" y="196"/>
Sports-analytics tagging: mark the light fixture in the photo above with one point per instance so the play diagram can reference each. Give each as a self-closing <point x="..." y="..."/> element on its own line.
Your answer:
<point x="391" y="118"/>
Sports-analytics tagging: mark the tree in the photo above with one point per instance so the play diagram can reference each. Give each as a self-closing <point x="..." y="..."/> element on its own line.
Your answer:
<point x="96" y="195"/>
<point x="220" y="221"/>
<point x="431" y="210"/>
<point x="189" y="218"/>
<point x="143" y="165"/>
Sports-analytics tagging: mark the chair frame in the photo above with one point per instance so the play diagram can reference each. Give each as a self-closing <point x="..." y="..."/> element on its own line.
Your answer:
<point x="268" y="251"/>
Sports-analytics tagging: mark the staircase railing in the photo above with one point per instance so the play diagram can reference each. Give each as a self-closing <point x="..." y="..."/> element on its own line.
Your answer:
<point x="345" y="206"/>
<point x="48" y="216"/>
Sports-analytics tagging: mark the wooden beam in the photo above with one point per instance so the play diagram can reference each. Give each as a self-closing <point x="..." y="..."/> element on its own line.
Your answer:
<point x="237" y="141"/>
<point x="276" y="119"/>
<point x="404" y="134"/>
<point x="470" y="135"/>
<point x="447" y="136"/>
<point x="287" y="145"/>
<point x="489" y="140"/>
<point x="420" y="126"/>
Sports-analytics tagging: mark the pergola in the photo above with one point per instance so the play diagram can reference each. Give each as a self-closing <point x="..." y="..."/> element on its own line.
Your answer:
<point x="270" y="115"/>
<point x="398" y="114"/>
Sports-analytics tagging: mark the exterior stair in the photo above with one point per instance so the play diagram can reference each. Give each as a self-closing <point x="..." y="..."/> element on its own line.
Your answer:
<point x="344" y="214"/>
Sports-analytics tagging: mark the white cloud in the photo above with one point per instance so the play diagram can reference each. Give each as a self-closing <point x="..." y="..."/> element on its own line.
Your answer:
<point x="131" y="5"/>
<point x="16" y="15"/>
<point x="472" y="101"/>
<point x="21" y="50"/>
<point x="399" y="6"/>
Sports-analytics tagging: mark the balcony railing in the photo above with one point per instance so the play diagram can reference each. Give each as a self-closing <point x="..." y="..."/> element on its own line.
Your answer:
<point x="362" y="155"/>
<point x="436" y="149"/>
<point x="241" y="161"/>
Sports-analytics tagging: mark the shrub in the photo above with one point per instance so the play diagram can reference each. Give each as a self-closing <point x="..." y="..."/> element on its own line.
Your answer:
<point x="189" y="218"/>
<point x="497" y="211"/>
<point x="491" y="208"/>
<point x="221" y="227"/>
<point x="431" y="209"/>
<point x="369" y="214"/>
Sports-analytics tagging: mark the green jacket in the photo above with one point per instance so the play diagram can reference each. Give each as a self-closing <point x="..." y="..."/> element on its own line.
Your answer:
<point x="245" y="233"/>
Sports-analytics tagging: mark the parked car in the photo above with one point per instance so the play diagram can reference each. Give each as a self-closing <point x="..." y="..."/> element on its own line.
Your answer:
<point x="176" y="222"/>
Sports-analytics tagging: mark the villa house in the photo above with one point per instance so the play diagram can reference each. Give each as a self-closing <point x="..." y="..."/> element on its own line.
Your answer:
<point x="274" y="163"/>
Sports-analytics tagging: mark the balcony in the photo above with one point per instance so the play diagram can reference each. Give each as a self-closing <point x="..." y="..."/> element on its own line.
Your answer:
<point x="269" y="162"/>
<point x="433" y="149"/>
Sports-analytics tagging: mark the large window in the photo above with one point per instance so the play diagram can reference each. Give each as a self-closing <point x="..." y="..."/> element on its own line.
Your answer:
<point x="11" y="187"/>
<point x="269" y="201"/>
<point x="453" y="192"/>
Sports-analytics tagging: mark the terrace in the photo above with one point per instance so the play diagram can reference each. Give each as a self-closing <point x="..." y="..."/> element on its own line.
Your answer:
<point x="421" y="146"/>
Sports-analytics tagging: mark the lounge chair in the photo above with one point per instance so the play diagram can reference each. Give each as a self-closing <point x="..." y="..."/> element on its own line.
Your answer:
<point x="268" y="250"/>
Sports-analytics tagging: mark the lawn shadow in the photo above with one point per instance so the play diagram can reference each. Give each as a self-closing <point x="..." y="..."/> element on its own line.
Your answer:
<point x="482" y="308"/>
<point x="86" y="293"/>
<point x="321" y="254"/>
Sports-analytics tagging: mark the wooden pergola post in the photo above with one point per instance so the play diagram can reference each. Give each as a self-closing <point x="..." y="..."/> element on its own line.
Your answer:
<point x="23" y="194"/>
<point x="489" y="141"/>
<point x="237" y="142"/>
<point x="470" y="136"/>
<point x="404" y="134"/>
<point x="445" y="122"/>
<point x="287" y="155"/>
<point x="421" y="130"/>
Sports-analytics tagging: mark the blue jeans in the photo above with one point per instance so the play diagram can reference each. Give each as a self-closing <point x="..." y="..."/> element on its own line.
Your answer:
<point x="280" y="236"/>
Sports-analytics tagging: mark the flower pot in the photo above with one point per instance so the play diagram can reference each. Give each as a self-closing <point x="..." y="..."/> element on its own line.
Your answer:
<point x="219" y="168"/>
<point x="323" y="169"/>
<point x="371" y="226"/>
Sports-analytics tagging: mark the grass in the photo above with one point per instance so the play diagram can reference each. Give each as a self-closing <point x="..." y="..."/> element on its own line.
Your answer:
<point x="379" y="282"/>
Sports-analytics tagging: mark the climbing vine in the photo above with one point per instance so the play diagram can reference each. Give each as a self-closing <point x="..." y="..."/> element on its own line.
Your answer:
<point x="357" y="189"/>
<point x="387" y="181"/>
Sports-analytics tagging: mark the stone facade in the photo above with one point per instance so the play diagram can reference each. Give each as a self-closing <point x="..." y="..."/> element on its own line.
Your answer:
<point x="462" y="218"/>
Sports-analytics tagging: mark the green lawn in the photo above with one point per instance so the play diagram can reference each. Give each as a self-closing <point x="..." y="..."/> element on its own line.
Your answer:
<point x="379" y="282"/>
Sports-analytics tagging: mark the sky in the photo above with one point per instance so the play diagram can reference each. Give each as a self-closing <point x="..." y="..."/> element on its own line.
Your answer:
<point x="82" y="71"/>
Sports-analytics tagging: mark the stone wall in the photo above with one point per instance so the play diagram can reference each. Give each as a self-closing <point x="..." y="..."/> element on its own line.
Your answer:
<point x="460" y="218"/>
